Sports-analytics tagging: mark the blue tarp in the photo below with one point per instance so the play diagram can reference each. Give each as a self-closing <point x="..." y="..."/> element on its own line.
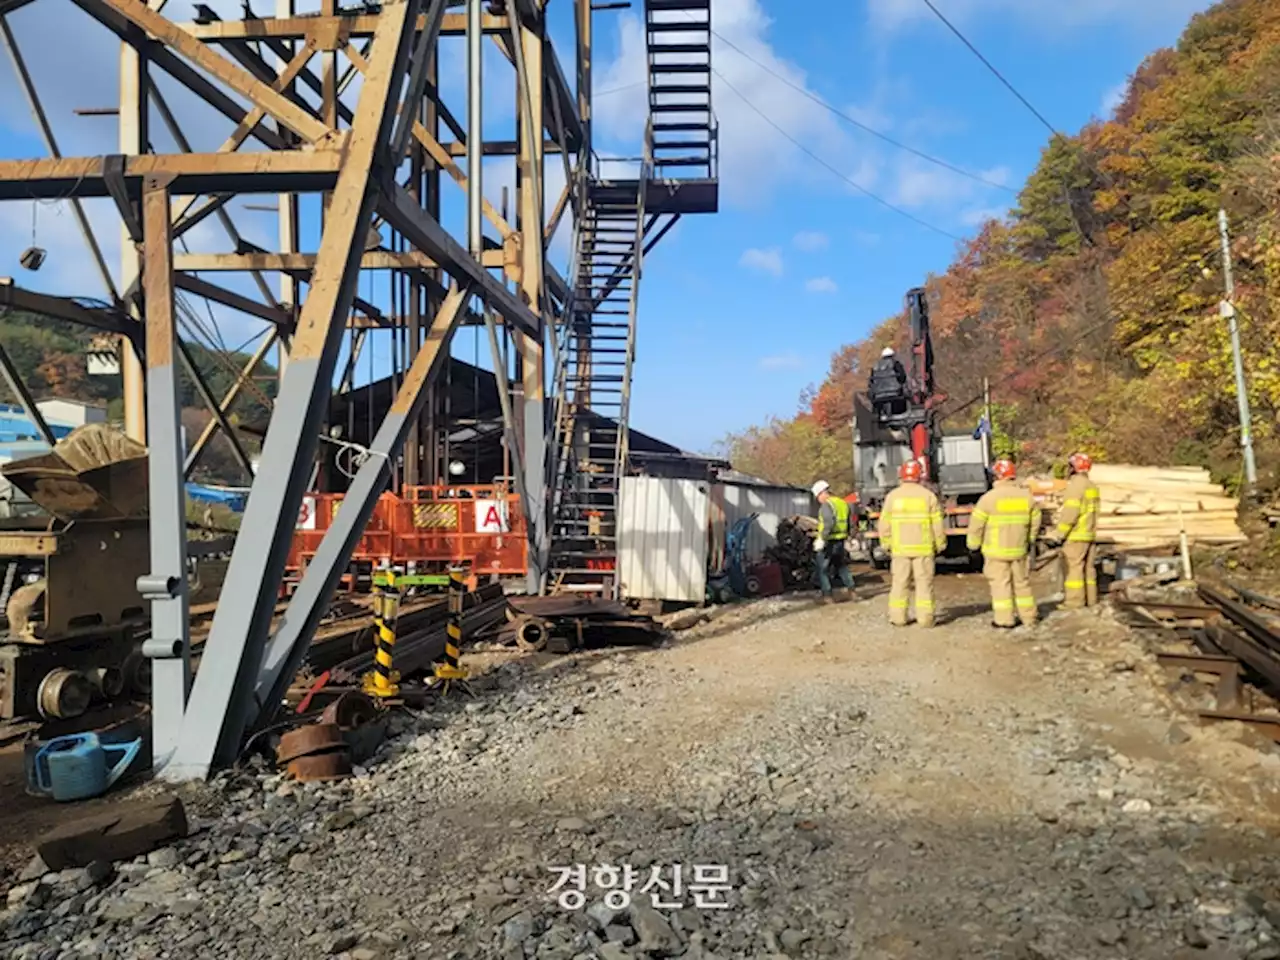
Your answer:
<point x="232" y="499"/>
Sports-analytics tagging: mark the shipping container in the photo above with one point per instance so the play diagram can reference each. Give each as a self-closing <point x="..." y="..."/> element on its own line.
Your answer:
<point x="663" y="533"/>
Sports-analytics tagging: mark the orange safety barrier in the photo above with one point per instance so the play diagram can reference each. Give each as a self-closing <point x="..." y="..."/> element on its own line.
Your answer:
<point x="479" y="526"/>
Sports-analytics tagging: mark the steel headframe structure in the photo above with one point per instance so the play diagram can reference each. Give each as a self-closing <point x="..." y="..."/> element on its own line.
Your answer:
<point x="371" y="151"/>
<point x="342" y="110"/>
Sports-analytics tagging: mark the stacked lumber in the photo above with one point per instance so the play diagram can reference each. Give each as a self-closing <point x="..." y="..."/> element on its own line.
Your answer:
<point x="1147" y="507"/>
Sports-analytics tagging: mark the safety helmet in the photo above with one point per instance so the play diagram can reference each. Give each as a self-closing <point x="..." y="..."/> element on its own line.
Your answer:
<point x="820" y="488"/>
<point x="1080" y="462"/>
<point x="911" y="471"/>
<point x="1004" y="469"/>
<point x="887" y="352"/>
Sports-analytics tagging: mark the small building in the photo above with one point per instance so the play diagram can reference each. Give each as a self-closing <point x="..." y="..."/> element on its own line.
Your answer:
<point x="74" y="413"/>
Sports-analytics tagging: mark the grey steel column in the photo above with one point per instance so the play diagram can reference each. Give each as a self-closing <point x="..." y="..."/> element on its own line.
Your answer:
<point x="166" y="585"/>
<point x="289" y="646"/>
<point x="222" y="698"/>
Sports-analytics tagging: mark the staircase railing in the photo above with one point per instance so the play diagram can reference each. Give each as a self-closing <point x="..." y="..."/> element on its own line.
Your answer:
<point x="622" y="448"/>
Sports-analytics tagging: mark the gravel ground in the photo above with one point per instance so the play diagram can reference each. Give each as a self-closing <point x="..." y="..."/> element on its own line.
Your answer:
<point x="872" y="793"/>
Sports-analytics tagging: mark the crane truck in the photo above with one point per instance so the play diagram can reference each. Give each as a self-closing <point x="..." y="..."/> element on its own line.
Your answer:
<point x="889" y="430"/>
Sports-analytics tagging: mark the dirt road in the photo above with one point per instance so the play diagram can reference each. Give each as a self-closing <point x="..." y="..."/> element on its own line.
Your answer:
<point x="871" y="793"/>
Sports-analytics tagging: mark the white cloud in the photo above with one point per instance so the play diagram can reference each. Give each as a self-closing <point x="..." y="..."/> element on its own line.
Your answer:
<point x="810" y="241"/>
<point x="781" y="361"/>
<point x="765" y="261"/>
<point x="821" y="285"/>
<point x="977" y="216"/>
<point x="754" y="157"/>
<point x="918" y="184"/>
<point x="1113" y="98"/>
<point x="1045" y="14"/>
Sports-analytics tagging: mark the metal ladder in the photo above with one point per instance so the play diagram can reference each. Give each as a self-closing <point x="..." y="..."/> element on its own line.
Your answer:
<point x="678" y="42"/>
<point x="594" y="359"/>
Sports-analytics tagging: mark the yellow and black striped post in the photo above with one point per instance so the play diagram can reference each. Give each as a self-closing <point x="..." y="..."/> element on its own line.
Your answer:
<point x="384" y="681"/>
<point x="451" y="670"/>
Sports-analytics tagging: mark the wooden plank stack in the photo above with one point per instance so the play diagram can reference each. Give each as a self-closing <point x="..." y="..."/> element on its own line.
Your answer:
<point x="1147" y="507"/>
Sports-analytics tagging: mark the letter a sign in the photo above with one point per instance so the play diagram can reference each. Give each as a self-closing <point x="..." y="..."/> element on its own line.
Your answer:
<point x="491" y="516"/>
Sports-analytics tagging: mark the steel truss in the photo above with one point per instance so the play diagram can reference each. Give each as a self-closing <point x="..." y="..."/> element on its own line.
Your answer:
<point x="375" y="156"/>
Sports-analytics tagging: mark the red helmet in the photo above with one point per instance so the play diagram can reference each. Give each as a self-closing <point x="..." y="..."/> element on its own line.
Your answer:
<point x="1080" y="462"/>
<point x="1004" y="469"/>
<point x="911" y="471"/>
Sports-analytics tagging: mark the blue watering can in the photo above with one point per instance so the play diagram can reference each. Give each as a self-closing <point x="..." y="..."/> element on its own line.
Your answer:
<point x="75" y="767"/>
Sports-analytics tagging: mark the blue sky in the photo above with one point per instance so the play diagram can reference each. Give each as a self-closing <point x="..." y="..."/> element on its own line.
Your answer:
<point x="742" y="309"/>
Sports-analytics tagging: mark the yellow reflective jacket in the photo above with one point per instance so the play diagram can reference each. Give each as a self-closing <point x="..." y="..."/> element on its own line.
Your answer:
<point x="1078" y="518"/>
<point x="910" y="523"/>
<point x="1005" y="522"/>
<point x="839" y="529"/>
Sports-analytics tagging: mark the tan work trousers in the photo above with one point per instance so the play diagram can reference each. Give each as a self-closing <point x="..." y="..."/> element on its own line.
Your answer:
<point x="906" y="571"/>
<point x="1010" y="582"/>
<point x="1080" y="582"/>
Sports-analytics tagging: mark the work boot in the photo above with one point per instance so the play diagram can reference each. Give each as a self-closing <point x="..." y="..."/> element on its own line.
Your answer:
<point x="841" y="596"/>
<point x="828" y="599"/>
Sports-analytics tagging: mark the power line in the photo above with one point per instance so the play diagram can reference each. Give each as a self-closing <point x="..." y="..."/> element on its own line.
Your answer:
<point x="990" y="66"/>
<point x="1153" y="224"/>
<point x="843" y="176"/>
<point x="865" y="128"/>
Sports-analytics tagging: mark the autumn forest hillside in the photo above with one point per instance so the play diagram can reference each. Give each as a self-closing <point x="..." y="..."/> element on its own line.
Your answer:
<point x="1093" y="305"/>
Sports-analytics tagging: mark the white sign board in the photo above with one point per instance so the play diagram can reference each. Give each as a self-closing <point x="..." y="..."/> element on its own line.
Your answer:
<point x="307" y="514"/>
<point x="491" y="516"/>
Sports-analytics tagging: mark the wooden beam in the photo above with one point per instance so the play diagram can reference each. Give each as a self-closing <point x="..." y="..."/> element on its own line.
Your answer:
<point x="238" y="79"/>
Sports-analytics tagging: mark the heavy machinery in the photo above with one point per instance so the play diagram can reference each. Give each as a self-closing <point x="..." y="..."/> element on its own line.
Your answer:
<point x="73" y="620"/>
<point x="890" y="430"/>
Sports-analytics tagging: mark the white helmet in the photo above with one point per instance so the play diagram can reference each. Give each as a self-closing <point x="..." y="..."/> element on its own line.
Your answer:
<point x="887" y="352"/>
<point x="821" y="487"/>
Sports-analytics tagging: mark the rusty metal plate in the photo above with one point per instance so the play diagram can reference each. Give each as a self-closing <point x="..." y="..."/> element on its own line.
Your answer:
<point x="324" y="766"/>
<point x="314" y="738"/>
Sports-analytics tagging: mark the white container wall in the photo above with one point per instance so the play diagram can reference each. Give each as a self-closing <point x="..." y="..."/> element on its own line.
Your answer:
<point x="662" y="538"/>
<point x="731" y="502"/>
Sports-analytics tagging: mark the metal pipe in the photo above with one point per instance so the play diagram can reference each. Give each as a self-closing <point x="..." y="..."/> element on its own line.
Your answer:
<point x="475" y="128"/>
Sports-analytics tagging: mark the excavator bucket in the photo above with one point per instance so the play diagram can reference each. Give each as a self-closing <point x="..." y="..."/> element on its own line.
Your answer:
<point x="93" y="473"/>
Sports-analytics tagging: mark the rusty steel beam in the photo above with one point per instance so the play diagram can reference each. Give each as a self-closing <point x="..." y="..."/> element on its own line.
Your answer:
<point x="107" y="319"/>
<point x="372" y="260"/>
<point x="193" y="173"/>
<point x="228" y="298"/>
<point x="303" y="28"/>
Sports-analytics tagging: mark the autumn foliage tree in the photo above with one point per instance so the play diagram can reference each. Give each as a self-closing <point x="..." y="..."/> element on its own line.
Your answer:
<point x="1092" y="306"/>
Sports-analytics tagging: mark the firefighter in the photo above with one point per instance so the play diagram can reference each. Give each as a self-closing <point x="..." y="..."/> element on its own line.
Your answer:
<point x="1003" y="525"/>
<point x="1077" y="531"/>
<point x="829" y="545"/>
<point x="912" y="531"/>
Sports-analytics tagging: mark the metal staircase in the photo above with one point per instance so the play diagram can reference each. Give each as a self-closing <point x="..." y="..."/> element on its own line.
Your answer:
<point x="595" y="347"/>
<point x="595" y="354"/>
<point x="678" y="38"/>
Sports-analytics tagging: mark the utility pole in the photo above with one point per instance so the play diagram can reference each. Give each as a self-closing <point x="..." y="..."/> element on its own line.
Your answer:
<point x="1228" y="311"/>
